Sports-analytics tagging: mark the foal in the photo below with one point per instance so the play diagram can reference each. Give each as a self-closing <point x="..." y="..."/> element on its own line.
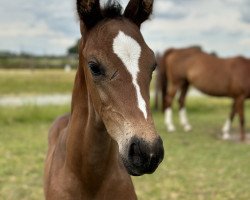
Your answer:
<point x="209" y="74"/>
<point x="110" y="132"/>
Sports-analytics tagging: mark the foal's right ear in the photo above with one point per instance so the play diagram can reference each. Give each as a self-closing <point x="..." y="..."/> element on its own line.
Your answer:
<point x="89" y="12"/>
<point x="138" y="11"/>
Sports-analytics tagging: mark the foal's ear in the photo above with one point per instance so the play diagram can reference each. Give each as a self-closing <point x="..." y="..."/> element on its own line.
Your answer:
<point x="138" y="10"/>
<point x="89" y="12"/>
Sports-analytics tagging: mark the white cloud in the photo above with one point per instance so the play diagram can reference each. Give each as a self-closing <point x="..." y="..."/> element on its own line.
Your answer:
<point x="38" y="26"/>
<point x="50" y="26"/>
<point x="214" y="24"/>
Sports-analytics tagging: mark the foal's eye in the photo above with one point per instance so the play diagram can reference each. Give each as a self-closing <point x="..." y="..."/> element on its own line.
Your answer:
<point x="95" y="69"/>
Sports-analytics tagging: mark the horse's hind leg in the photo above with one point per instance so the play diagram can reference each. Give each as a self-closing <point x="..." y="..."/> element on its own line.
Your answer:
<point x="168" y="108"/>
<point x="227" y="126"/>
<point x="240" y="108"/>
<point x="182" y="111"/>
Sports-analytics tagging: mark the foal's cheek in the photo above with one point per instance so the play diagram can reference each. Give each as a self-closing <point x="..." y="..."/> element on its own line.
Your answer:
<point x="103" y="95"/>
<point x="104" y="102"/>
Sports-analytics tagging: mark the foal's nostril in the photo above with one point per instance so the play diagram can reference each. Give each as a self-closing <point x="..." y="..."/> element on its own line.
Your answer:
<point x="135" y="153"/>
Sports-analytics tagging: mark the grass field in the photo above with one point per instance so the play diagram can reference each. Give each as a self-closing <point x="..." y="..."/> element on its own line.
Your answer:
<point x="197" y="165"/>
<point x="33" y="82"/>
<point x="36" y="82"/>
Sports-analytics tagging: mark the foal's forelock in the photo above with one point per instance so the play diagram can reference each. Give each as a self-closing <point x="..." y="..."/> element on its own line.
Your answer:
<point x="128" y="51"/>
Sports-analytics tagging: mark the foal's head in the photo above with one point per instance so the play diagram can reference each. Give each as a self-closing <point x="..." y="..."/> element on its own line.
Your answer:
<point x="118" y="66"/>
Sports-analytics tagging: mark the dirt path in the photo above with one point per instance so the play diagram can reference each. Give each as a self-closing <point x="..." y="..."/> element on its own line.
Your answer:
<point x="55" y="99"/>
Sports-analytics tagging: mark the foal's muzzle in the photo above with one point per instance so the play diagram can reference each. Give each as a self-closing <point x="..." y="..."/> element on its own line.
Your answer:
<point x="144" y="157"/>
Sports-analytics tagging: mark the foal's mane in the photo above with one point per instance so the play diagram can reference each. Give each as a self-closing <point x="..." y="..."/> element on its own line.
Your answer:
<point x="90" y="12"/>
<point x="112" y="9"/>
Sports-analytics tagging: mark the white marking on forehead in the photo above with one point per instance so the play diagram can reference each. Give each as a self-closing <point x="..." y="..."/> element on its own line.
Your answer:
<point x="129" y="51"/>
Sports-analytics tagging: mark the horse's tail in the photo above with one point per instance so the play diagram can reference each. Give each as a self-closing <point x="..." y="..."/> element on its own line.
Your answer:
<point x="163" y="76"/>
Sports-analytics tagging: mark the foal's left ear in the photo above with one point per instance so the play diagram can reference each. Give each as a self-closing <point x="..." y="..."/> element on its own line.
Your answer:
<point x="138" y="10"/>
<point x="89" y="12"/>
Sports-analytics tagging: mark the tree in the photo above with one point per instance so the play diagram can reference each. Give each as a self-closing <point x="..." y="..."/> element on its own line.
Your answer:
<point x="73" y="49"/>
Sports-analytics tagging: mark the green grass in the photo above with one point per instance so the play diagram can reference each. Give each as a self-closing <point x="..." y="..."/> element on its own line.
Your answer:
<point x="30" y="82"/>
<point x="23" y="141"/>
<point x="37" y="81"/>
<point x="197" y="165"/>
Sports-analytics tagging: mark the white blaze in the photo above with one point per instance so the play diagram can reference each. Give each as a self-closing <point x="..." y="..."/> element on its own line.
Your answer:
<point x="129" y="51"/>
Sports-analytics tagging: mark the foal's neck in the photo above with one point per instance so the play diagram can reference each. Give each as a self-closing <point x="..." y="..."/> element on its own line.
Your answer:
<point x="93" y="154"/>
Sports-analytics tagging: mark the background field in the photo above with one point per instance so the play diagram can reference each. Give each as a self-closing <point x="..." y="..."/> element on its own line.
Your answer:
<point x="197" y="165"/>
<point x="37" y="81"/>
<point x="13" y="61"/>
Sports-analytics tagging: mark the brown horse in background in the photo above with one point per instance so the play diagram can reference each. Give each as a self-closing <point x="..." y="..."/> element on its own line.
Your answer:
<point x="211" y="75"/>
<point x="158" y="83"/>
<point x="109" y="133"/>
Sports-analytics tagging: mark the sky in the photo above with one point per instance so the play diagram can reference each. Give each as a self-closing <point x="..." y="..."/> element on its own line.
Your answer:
<point x="51" y="26"/>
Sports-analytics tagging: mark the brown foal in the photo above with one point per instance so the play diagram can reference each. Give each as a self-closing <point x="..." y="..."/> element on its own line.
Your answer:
<point x="209" y="74"/>
<point x="110" y="133"/>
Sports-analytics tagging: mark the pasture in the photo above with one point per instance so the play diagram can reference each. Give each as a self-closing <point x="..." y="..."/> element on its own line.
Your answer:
<point x="197" y="165"/>
<point x="34" y="82"/>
